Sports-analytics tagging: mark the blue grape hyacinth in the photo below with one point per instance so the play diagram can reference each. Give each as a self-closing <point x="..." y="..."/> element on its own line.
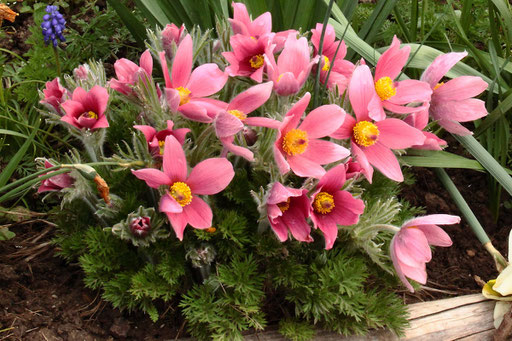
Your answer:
<point x="53" y="25"/>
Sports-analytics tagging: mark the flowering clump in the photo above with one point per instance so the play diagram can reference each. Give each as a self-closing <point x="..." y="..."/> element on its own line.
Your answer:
<point x="53" y="25"/>
<point x="223" y="182"/>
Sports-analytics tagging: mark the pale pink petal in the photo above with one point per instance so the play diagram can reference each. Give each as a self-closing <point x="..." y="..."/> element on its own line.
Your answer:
<point x="411" y="90"/>
<point x="71" y="120"/>
<point x="375" y="108"/>
<point x="227" y="124"/>
<point x="79" y="95"/>
<point x="417" y="273"/>
<point x="382" y="158"/>
<point x="180" y="134"/>
<point x="198" y="213"/>
<point x="257" y="75"/>
<point x="227" y="142"/>
<point x="460" y="88"/>
<point x="240" y="13"/>
<point x="295" y="56"/>
<point x="212" y="106"/>
<point x="279" y="228"/>
<point x="262" y="122"/>
<point x="195" y="112"/>
<point x="148" y="131"/>
<point x="252" y="98"/>
<point x="436" y="235"/>
<point x="304" y="167"/>
<point x="360" y="91"/>
<point x="433" y="219"/>
<point x="432" y="142"/>
<point x="174" y="161"/>
<point x="329" y="229"/>
<point x="293" y="116"/>
<point x="182" y="63"/>
<point x="261" y="25"/>
<point x="206" y="80"/>
<point x="323" y="152"/>
<point x="333" y="180"/>
<point x="412" y="247"/>
<point x="280" y="193"/>
<point x="397" y="265"/>
<point x="210" y="176"/>
<point x="454" y="127"/>
<point x="418" y="119"/>
<point x="165" y="70"/>
<point x="169" y="205"/>
<point x="286" y="84"/>
<point x="102" y="122"/>
<point x="347" y="209"/>
<point x="400" y="109"/>
<point x="396" y="134"/>
<point x="153" y="177"/>
<point x="440" y="66"/>
<point x="323" y="121"/>
<point x="361" y="158"/>
<point x="346" y="130"/>
<point x="146" y="62"/>
<point x="281" y="162"/>
<point x="178" y="223"/>
<point x="172" y="96"/>
<point x="392" y="60"/>
<point x="461" y="111"/>
<point x="72" y="109"/>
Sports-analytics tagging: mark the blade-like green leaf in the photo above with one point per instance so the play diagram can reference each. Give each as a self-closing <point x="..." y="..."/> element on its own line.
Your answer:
<point x="439" y="159"/>
<point x="499" y="111"/>
<point x="374" y="23"/>
<point x="133" y="25"/>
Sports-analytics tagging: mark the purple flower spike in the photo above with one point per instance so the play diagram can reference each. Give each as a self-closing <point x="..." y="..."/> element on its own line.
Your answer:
<point x="53" y="25"/>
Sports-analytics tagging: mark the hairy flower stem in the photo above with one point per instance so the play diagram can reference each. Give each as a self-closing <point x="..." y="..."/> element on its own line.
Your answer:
<point x="387" y="227"/>
<point x="93" y="211"/>
<point x="57" y="61"/>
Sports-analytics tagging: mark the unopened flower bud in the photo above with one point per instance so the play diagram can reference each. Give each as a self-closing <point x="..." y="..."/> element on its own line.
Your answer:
<point x="140" y="226"/>
<point x="250" y="136"/>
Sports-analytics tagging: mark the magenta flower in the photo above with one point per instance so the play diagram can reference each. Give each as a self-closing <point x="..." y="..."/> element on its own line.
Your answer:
<point x="341" y="69"/>
<point x="288" y="210"/>
<point x="181" y="202"/>
<point x="230" y="122"/>
<point x="330" y="206"/>
<point x="54" y="95"/>
<point x="87" y="109"/>
<point x="128" y="73"/>
<point x="55" y="183"/>
<point x="452" y="101"/>
<point x="248" y="56"/>
<point x="391" y="95"/>
<point x="185" y="91"/>
<point x="410" y="249"/>
<point x="371" y="142"/>
<point x="156" y="139"/>
<point x="300" y="147"/>
<point x="293" y="66"/>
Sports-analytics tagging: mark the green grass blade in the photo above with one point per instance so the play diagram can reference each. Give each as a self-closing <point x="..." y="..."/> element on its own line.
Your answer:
<point x="303" y="17"/>
<point x="463" y="206"/>
<point x="465" y="16"/>
<point x="439" y="159"/>
<point x="498" y="112"/>
<point x="374" y="23"/>
<point x="413" y="26"/>
<point x="14" y="162"/>
<point x="133" y="25"/>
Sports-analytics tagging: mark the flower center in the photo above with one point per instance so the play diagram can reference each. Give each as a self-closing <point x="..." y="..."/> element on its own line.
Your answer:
<point x="184" y="95"/>
<point x="365" y="133"/>
<point x="327" y="64"/>
<point x="295" y="142"/>
<point x="238" y="114"/>
<point x="91" y="114"/>
<point x="181" y="193"/>
<point x="256" y="61"/>
<point x="323" y="203"/>
<point x="385" y="89"/>
<point x="438" y="85"/>
<point x="161" y="145"/>
<point x="284" y="206"/>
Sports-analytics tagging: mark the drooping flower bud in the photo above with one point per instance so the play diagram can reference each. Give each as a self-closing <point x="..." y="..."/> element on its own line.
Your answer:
<point x="171" y="37"/>
<point x="140" y="226"/>
<point x="53" y="25"/>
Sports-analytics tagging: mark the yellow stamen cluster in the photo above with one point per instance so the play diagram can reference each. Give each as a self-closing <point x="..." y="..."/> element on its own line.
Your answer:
<point x="327" y="64"/>
<point x="384" y="88"/>
<point x="92" y="114"/>
<point x="438" y="85"/>
<point x="284" y="206"/>
<point x="295" y="142"/>
<point x="256" y="61"/>
<point x="161" y="145"/>
<point x="238" y="114"/>
<point x="184" y="95"/>
<point x="323" y="203"/>
<point x="365" y="133"/>
<point x="181" y="193"/>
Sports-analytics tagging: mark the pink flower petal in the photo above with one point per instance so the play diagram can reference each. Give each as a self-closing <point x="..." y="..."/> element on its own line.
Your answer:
<point x="397" y="265"/>
<point x="329" y="229"/>
<point x="412" y="247"/>
<point x="169" y="205"/>
<point x="206" y="80"/>
<point x="295" y="220"/>
<point x="262" y="122"/>
<point x="323" y="121"/>
<point x="433" y="219"/>
<point x="102" y="122"/>
<point x="333" y="180"/>
<point x="227" y="124"/>
<point x="148" y="131"/>
<point x="195" y="112"/>
<point x="210" y="176"/>
<point x="293" y="116"/>
<point x="280" y="193"/>
<point x="460" y="88"/>
<point x="375" y="108"/>
<point x="382" y="158"/>
<point x="146" y="62"/>
<point x="454" y="127"/>
<point x="182" y="64"/>
<point x="212" y="106"/>
<point x="261" y="25"/>
<point x="281" y="162"/>
<point x="392" y="60"/>
<point x="73" y="109"/>
<point x="153" y="177"/>
<point x="417" y="273"/>
<point x="323" y="152"/>
<point x="411" y="90"/>
<point x="304" y="167"/>
<point x="252" y="98"/>
<point x="435" y="235"/>
<point x="440" y="66"/>
<point x="396" y="134"/>
<point x="174" y="161"/>
<point x="165" y="70"/>
<point x="178" y="223"/>
<point x="198" y="213"/>
<point x="461" y="111"/>
<point x="295" y="56"/>
<point x="279" y="228"/>
<point x="347" y="209"/>
<point x="172" y="96"/>
<point x="286" y="84"/>
<point x="227" y="142"/>
<point x="346" y="130"/>
<point x="361" y="158"/>
<point x="360" y="91"/>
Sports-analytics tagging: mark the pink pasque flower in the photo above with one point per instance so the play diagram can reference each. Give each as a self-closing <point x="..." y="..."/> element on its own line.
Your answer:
<point x="181" y="202"/>
<point x="81" y="72"/>
<point x="330" y="206"/>
<point x="391" y="95"/>
<point x="452" y="101"/>
<point x="55" y="183"/>
<point x="419" y="120"/>
<point x="171" y="37"/>
<point x="248" y="56"/>
<point x="288" y="210"/>
<point x="293" y="66"/>
<point x="54" y="95"/>
<point x="371" y="142"/>
<point x="128" y="73"/>
<point x="87" y="109"/>
<point x="230" y="122"/>
<point x="185" y="91"/>
<point x="156" y="139"/>
<point x="300" y="147"/>
<point x="341" y="70"/>
<point x="410" y="249"/>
